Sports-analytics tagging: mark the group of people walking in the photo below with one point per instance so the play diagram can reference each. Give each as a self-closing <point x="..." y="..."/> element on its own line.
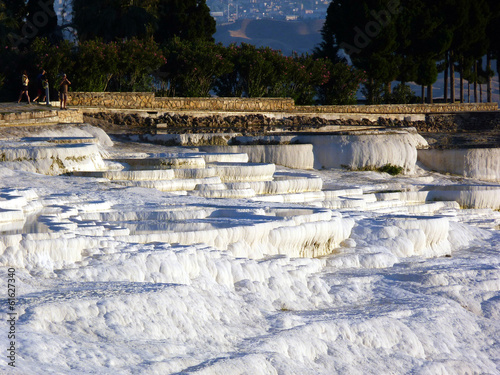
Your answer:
<point x="43" y="88"/>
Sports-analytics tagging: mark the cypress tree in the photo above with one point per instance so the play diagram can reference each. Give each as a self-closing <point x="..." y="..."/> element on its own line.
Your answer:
<point x="492" y="33"/>
<point x="329" y="47"/>
<point x="366" y="31"/>
<point x="470" y="41"/>
<point x="425" y="42"/>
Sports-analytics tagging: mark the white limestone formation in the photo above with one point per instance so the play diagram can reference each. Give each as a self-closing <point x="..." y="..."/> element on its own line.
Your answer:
<point x="232" y="172"/>
<point x="247" y="268"/>
<point x="366" y="150"/>
<point x="298" y="156"/>
<point x="51" y="159"/>
<point x="134" y="175"/>
<point x="170" y="185"/>
<point x="167" y="162"/>
<point x="281" y="186"/>
<point x="479" y="163"/>
<point x="468" y="196"/>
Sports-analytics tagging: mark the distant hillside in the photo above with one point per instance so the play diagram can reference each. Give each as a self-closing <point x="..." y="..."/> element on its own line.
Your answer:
<point x="287" y="36"/>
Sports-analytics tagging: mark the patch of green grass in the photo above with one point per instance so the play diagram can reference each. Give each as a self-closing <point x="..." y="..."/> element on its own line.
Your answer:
<point x="393" y="170"/>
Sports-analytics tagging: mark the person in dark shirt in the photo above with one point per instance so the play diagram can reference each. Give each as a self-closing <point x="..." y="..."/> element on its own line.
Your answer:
<point x="41" y="82"/>
<point x="63" y="91"/>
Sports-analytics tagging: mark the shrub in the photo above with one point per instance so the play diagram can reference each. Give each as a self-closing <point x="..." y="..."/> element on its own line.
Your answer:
<point x="193" y="67"/>
<point x="342" y="84"/>
<point x="137" y="61"/>
<point x="402" y="94"/>
<point x="393" y="170"/>
<point x="96" y="65"/>
<point x="54" y="58"/>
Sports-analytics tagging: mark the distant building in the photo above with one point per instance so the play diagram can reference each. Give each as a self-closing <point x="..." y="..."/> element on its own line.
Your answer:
<point x="290" y="10"/>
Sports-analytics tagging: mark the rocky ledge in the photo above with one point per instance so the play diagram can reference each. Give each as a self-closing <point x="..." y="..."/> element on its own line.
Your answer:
<point x="470" y="130"/>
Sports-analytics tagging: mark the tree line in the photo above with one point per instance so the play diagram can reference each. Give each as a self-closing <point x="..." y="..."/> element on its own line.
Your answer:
<point x="168" y="46"/>
<point x="184" y="68"/>
<point x="22" y="21"/>
<point x="161" y="45"/>
<point x="414" y="40"/>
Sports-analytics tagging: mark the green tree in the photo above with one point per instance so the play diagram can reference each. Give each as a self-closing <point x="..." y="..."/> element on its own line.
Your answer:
<point x="7" y="24"/>
<point x="403" y="94"/>
<point x="366" y="30"/>
<point x="109" y="20"/>
<point x="342" y="84"/>
<point x="164" y="19"/>
<point x="257" y="70"/>
<point x="185" y="19"/>
<point x="16" y="10"/>
<point x="11" y="61"/>
<point x="55" y="59"/>
<point x="41" y="20"/>
<point x="230" y="84"/>
<point x="470" y="42"/>
<point x="423" y="43"/>
<point x="12" y="15"/>
<point x="302" y="76"/>
<point x="194" y="66"/>
<point x="492" y="32"/>
<point x="96" y="65"/>
<point x="138" y="60"/>
<point x="329" y="47"/>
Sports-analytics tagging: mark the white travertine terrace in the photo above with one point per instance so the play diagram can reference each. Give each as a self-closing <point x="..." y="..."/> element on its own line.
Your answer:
<point x="247" y="267"/>
<point x="52" y="159"/>
<point x="354" y="150"/>
<point x="298" y="156"/>
<point x="467" y="196"/>
<point x="232" y="172"/>
<point x="480" y="163"/>
<point x="169" y="162"/>
<point x="366" y="150"/>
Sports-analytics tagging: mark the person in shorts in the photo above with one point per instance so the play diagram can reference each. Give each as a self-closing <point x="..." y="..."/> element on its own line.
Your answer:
<point x="24" y="87"/>
<point x="63" y="91"/>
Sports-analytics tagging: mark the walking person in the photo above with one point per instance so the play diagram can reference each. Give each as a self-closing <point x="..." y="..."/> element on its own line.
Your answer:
<point x="63" y="91"/>
<point x="41" y="82"/>
<point x="24" y="87"/>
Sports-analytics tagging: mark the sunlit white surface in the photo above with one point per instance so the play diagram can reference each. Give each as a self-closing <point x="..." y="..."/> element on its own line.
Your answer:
<point x="299" y="156"/>
<point x="366" y="150"/>
<point x="318" y="272"/>
<point x="354" y="150"/>
<point x="481" y="163"/>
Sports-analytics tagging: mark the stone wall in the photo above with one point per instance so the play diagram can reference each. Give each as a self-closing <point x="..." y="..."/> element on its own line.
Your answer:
<point x="400" y="108"/>
<point x="467" y="121"/>
<point x="226" y="104"/>
<point x="133" y="100"/>
<point x="41" y="116"/>
<point x="28" y="117"/>
<point x="72" y="116"/>
<point x="144" y="100"/>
